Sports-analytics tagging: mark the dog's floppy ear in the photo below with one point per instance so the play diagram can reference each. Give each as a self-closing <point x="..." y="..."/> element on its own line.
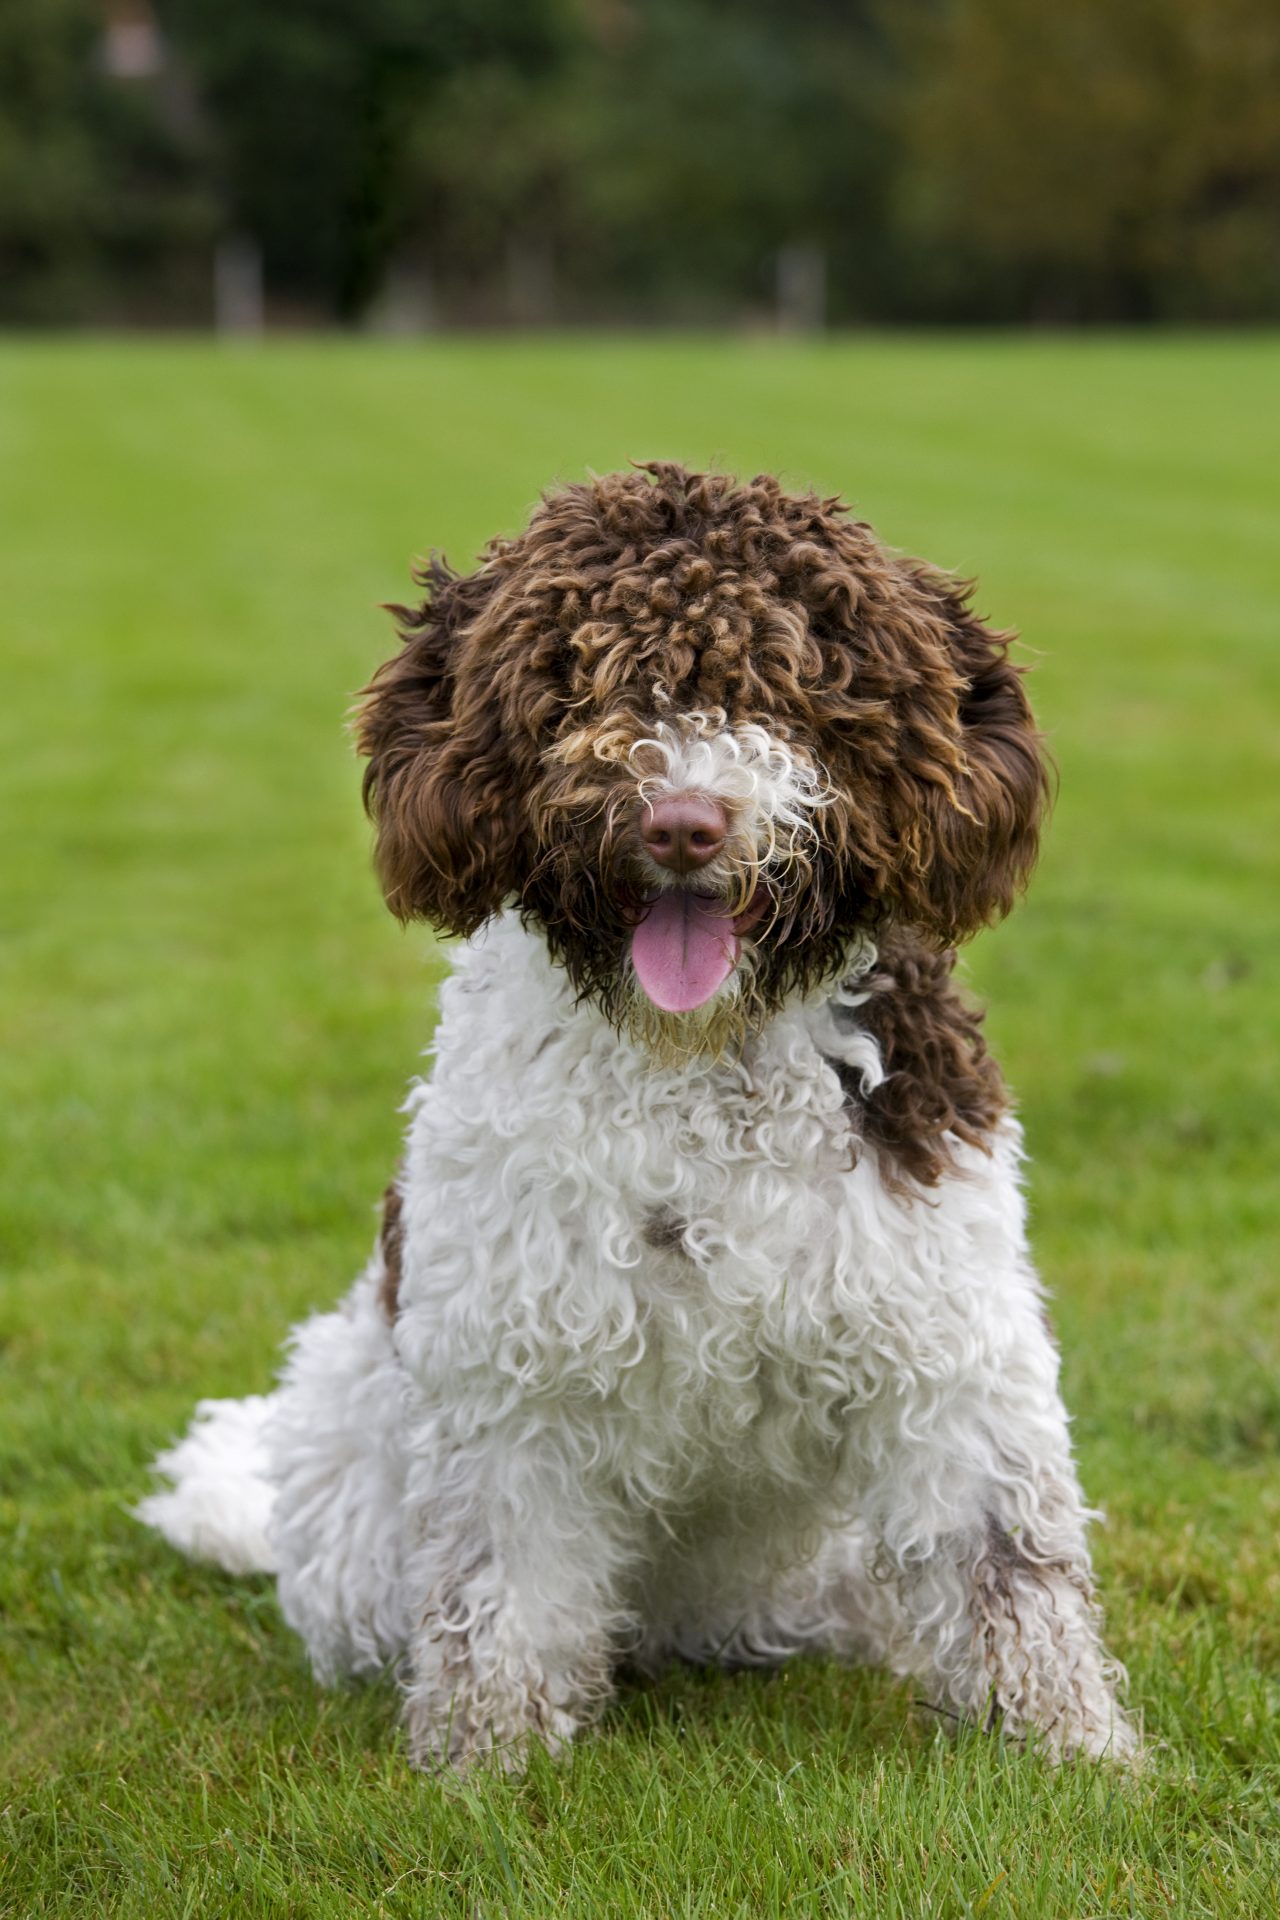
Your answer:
<point x="440" y="785"/>
<point x="982" y="818"/>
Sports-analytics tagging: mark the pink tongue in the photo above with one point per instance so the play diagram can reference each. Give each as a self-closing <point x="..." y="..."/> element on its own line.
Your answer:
<point x="683" y="949"/>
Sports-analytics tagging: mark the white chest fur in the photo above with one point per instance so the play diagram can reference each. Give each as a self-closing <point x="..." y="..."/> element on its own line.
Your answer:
<point x="706" y="1260"/>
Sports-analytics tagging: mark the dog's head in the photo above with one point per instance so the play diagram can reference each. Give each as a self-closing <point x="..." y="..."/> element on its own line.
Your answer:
<point x="705" y="736"/>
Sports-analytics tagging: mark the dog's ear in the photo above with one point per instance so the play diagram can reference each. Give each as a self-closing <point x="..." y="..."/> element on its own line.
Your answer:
<point x="984" y="799"/>
<point x="440" y="785"/>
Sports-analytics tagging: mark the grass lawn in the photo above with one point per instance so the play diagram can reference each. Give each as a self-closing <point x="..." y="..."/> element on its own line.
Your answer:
<point x="207" y="1019"/>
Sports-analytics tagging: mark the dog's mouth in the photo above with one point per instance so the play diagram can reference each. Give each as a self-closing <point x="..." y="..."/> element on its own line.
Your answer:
<point x="685" y="944"/>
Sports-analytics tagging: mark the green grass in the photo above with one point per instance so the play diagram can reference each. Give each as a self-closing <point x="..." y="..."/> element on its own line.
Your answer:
<point x="207" y="1019"/>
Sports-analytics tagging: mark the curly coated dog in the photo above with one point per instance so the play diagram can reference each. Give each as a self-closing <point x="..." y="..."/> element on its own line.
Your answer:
<point x="701" y="1320"/>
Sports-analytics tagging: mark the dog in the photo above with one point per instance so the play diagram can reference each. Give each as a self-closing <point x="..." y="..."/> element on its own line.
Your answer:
<point x="701" y="1321"/>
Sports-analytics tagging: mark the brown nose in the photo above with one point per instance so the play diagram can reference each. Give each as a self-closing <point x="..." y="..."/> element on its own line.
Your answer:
<point x="683" y="831"/>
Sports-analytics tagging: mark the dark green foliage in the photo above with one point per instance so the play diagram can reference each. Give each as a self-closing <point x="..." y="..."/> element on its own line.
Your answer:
<point x="667" y="160"/>
<point x="1095" y="160"/>
<point x="522" y="160"/>
<point x="315" y="101"/>
<point x="104" y="206"/>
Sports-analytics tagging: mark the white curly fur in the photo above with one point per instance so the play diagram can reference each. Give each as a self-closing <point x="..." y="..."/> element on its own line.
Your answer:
<point x="746" y="767"/>
<point x="673" y="1371"/>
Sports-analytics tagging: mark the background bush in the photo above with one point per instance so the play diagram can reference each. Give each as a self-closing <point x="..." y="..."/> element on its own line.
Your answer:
<point x="647" y="160"/>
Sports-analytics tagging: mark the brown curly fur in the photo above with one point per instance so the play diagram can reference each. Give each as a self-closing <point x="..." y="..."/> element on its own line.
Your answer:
<point x="497" y="736"/>
<point x="391" y="1240"/>
<point x="940" y="1084"/>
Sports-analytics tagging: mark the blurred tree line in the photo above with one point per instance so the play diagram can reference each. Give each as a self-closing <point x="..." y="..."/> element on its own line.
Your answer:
<point x="642" y="160"/>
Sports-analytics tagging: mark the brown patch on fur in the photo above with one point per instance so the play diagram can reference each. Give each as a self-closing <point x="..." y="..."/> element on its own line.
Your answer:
<point x="1004" y="1558"/>
<point x="664" y="1232"/>
<point x="939" y="1077"/>
<point x="497" y="736"/>
<point x="392" y="1238"/>
<point x="1007" y="1558"/>
<point x="1006" y="1566"/>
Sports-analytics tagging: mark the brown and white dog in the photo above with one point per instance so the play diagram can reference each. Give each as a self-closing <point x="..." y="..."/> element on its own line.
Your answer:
<point x="702" y="1320"/>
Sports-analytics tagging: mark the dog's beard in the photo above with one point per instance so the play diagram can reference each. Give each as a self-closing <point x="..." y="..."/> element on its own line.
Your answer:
<point x="799" y="948"/>
<point x="601" y="972"/>
<point x="717" y="1030"/>
<point x="586" y="899"/>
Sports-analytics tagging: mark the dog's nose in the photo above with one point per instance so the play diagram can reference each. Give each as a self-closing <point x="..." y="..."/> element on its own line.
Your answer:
<point x="683" y="831"/>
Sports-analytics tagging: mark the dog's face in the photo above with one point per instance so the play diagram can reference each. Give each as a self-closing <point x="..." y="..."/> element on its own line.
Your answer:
<point x="704" y="736"/>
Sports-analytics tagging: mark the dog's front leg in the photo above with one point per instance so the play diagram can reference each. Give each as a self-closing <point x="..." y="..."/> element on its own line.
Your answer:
<point x="513" y="1587"/>
<point x="998" y="1616"/>
<point x="1007" y="1637"/>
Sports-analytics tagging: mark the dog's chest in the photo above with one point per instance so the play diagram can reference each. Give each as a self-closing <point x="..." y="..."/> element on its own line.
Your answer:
<point x="646" y="1226"/>
<point x="693" y="1259"/>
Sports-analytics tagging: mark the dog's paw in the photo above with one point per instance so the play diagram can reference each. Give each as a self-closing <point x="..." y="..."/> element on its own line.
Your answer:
<point x="1109" y="1739"/>
<point x="462" y="1741"/>
<point x="1117" y="1742"/>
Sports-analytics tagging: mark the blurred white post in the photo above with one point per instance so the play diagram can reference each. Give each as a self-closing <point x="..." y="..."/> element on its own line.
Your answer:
<point x="237" y="287"/>
<point x="802" y="289"/>
<point x="530" y="283"/>
<point x="405" y="305"/>
<point x="131" y="45"/>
